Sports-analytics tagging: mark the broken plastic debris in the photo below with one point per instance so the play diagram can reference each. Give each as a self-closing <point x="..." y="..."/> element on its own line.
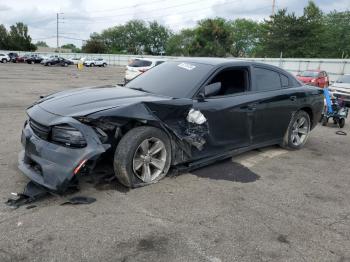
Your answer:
<point x="196" y="117"/>
<point x="79" y="200"/>
<point x="31" y="193"/>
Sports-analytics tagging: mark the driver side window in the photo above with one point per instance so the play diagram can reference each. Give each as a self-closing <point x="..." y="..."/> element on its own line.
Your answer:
<point x="233" y="81"/>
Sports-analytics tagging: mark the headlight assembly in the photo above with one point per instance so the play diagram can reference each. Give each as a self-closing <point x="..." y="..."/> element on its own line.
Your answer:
<point x="68" y="136"/>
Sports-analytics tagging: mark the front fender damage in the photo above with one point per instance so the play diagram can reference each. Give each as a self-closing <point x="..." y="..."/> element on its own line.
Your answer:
<point x="186" y="127"/>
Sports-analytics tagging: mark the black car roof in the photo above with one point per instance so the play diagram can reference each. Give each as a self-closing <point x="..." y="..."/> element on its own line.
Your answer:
<point x="216" y="61"/>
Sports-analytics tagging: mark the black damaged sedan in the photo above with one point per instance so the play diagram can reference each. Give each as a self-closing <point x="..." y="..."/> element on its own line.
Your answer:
<point x="183" y="113"/>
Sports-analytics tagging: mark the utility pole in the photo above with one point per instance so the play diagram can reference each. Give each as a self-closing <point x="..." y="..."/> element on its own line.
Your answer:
<point x="273" y="7"/>
<point x="58" y="35"/>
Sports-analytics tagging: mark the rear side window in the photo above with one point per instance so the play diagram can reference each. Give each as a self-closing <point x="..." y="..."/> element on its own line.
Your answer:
<point x="140" y="63"/>
<point x="267" y="79"/>
<point x="284" y="81"/>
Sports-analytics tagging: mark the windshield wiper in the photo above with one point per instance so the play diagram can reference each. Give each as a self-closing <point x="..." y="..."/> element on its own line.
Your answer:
<point x="140" y="89"/>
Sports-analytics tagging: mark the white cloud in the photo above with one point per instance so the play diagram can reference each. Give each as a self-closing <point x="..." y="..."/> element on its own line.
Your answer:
<point x="82" y="17"/>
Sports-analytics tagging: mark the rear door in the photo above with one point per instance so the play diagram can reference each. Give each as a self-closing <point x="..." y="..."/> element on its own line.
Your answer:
<point x="272" y="109"/>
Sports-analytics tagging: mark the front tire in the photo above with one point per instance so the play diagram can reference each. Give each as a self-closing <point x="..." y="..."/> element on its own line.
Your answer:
<point x="142" y="157"/>
<point x="298" y="131"/>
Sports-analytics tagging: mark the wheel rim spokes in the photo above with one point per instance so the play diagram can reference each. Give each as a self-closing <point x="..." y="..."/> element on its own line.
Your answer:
<point x="149" y="159"/>
<point x="300" y="131"/>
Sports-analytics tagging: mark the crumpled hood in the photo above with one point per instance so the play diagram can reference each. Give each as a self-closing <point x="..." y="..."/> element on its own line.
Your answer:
<point x="84" y="101"/>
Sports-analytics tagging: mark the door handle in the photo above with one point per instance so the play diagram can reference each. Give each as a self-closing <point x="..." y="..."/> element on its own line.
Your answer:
<point x="293" y="98"/>
<point x="251" y="107"/>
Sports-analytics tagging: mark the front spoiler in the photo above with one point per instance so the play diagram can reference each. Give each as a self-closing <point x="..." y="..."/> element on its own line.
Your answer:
<point x="52" y="165"/>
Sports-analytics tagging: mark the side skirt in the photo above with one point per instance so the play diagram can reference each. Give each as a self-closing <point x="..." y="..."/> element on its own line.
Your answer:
<point x="210" y="160"/>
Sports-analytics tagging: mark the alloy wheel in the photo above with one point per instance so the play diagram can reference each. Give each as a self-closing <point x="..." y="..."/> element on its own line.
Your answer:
<point x="300" y="131"/>
<point x="149" y="159"/>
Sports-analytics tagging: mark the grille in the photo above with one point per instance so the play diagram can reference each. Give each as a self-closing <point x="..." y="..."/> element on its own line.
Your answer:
<point x="39" y="129"/>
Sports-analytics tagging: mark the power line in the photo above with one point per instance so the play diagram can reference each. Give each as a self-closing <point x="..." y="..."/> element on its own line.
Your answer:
<point x="148" y="11"/>
<point x="162" y="15"/>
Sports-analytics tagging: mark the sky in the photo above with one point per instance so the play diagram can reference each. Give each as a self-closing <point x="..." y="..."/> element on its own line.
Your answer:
<point x="79" y="18"/>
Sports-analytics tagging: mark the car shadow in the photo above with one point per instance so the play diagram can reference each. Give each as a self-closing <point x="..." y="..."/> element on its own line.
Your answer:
<point x="227" y="170"/>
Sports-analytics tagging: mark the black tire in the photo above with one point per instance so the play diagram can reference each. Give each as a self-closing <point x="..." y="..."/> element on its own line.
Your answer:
<point x="288" y="137"/>
<point x="341" y="122"/>
<point x="65" y="64"/>
<point x="48" y="64"/>
<point x="4" y="61"/>
<point x="324" y="120"/>
<point x="104" y="65"/>
<point x="32" y="62"/>
<point x="126" y="151"/>
<point x="92" y="65"/>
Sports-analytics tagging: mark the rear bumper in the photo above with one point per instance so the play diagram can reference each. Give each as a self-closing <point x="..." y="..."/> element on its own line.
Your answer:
<point x="52" y="165"/>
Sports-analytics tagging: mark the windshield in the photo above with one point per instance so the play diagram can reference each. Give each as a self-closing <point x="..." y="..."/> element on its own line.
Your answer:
<point x="174" y="79"/>
<point x="309" y="74"/>
<point x="344" y="79"/>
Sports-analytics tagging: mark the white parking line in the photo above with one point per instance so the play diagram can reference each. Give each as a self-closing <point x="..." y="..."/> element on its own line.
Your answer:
<point x="255" y="157"/>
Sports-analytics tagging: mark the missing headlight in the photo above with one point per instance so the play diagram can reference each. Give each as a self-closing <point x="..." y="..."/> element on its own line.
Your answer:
<point x="68" y="136"/>
<point x="101" y="135"/>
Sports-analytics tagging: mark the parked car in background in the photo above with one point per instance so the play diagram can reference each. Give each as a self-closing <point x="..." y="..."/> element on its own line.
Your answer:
<point x="95" y="62"/>
<point x="58" y="61"/>
<point x="189" y="112"/>
<point x="341" y="88"/>
<point x="34" y="59"/>
<point x="13" y="57"/>
<point x="77" y="60"/>
<point x="22" y="58"/>
<point x="47" y="58"/>
<point x="4" y="58"/>
<point x="317" y="78"/>
<point x="138" y="66"/>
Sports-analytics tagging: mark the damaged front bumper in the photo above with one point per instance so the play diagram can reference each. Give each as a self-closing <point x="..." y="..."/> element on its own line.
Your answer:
<point x="52" y="165"/>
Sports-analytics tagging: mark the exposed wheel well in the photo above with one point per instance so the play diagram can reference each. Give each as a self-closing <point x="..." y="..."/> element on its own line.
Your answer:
<point x="308" y="110"/>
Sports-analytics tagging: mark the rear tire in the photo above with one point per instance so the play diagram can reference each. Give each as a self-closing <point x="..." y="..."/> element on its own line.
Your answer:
<point x="142" y="157"/>
<point x="92" y="65"/>
<point x="4" y="61"/>
<point x="324" y="120"/>
<point x="298" y="131"/>
<point x="341" y="122"/>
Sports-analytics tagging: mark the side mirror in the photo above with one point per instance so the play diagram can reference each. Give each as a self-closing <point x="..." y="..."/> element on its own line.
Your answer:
<point x="211" y="89"/>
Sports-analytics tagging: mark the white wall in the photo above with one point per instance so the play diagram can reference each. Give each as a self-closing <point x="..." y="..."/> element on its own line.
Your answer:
<point x="334" y="67"/>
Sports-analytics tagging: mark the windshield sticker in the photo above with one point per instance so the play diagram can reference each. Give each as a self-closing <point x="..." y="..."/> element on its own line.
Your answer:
<point x="186" y="66"/>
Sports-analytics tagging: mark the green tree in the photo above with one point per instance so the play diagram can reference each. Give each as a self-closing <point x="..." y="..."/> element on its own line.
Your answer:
<point x="71" y="47"/>
<point x="314" y="31"/>
<point x="157" y="37"/>
<point x="95" y="44"/>
<point x="19" y="38"/>
<point x="179" y="44"/>
<point x="41" y="44"/>
<point x="212" y="38"/>
<point x="135" y="36"/>
<point x="282" y="33"/>
<point x="114" y="39"/>
<point x="4" y="38"/>
<point x="337" y="34"/>
<point x="245" y="37"/>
